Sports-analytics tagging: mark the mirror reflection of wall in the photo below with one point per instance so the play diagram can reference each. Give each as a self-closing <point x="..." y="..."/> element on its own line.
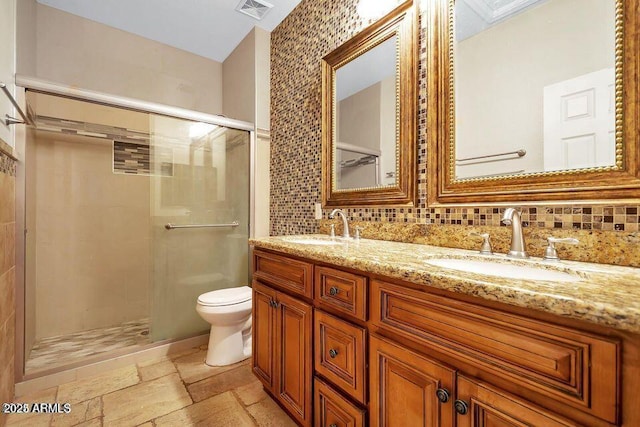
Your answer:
<point x="366" y="119"/>
<point x="536" y="76"/>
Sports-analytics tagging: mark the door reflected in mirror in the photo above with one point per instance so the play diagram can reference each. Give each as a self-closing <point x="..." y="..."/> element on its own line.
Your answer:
<point x="366" y="117"/>
<point x="534" y="86"/>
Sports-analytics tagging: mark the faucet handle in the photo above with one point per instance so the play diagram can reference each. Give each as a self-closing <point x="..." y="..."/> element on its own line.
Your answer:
<point x="332" y="232"/>
<point x="486" y="243"/>
<point x="550" y="253"/>
<point x="357" y="233"/>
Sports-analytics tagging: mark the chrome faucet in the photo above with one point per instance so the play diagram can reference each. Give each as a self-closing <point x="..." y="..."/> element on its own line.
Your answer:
<point x="518" y="249"/>
<point x="345" y="224"/>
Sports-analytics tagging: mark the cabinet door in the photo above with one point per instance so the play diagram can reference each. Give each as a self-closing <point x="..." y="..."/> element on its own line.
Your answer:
<point x="480" y="405"/>
<point x="405" y="388"/>
<point x="263" y="339"/>
<point x="293" y="356"/>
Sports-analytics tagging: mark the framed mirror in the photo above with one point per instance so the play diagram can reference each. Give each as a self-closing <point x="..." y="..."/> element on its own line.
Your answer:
<point x="533" y="100"/>
<point x="369" y="115"/>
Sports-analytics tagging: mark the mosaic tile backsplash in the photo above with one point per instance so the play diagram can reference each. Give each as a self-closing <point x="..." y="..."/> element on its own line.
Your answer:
<point x="311" y="31"/>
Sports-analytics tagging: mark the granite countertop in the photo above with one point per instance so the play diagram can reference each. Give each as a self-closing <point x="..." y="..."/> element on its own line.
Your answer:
<point x="603" y="294"/>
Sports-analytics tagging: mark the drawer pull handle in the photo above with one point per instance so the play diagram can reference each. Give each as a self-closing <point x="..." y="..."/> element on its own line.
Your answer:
<point x="333" y="353"/>
<point x="334" y="291"/>
<point x="443" y="395"/>
<point x="461" y="407"/>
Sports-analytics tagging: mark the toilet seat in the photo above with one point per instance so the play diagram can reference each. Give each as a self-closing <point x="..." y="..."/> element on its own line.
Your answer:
<point x="222" y="297"/>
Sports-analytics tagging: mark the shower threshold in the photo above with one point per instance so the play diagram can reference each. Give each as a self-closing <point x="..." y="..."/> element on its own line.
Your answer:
<point x="64" y="350"/>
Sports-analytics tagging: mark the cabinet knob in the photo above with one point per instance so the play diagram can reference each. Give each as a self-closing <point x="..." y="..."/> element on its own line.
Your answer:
<point x="333" y="353"/>
<point x="443" y="395"/>
<point x="334" y="291"/>
<point x="333" y="425"/>
<point x="461" y="407"/>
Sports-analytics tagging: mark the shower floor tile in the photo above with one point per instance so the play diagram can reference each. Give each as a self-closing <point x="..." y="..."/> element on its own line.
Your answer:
<point x="66" y="349"/>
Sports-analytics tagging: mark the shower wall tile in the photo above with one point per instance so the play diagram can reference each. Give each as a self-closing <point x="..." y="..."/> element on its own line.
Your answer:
<point x="138" y="159"/>
<point x="92" y="240"/>
<point x="311" y="31"/>
<point x="7" y="278"/>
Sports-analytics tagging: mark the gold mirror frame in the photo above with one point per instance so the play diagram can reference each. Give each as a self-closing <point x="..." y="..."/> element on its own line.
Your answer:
<point x="400" y="22"/>
<point x="620" y="182"/>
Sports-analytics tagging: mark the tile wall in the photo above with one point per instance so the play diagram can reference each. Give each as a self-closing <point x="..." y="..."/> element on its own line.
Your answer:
<point x="90" y="232"/>
<point x="7" y="274"/>
<point x="311" y="31"/>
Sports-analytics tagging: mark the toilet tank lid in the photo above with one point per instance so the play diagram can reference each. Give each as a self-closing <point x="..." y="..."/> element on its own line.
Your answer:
<point x="227" y="296"/>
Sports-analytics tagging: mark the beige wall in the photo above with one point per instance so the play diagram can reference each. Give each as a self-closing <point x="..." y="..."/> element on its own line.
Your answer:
<point x="92" y="245"/>
<point x="7" y="277"/>
<point x="359" y="125"/>
<point x="246" y="74"/>
<point x="499" y="84"/>
<point x="26" y="20"/>
<point x="263" y="76"/>
<point x="239" y="77"/>
<point x="76" y="51"/>
<point x="7" y="65"/>
<point x="388" y="131"/>
<point x="367" y="119"/>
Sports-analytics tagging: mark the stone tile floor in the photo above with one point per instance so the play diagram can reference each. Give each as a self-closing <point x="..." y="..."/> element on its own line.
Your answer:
<point x="177" y="390"/>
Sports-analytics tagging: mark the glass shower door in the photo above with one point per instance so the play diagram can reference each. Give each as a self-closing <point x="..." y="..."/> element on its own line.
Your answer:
<point x="199" y="208"/>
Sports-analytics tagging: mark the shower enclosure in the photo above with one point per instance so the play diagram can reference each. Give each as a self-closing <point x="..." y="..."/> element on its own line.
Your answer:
<point x="129" y="215"/>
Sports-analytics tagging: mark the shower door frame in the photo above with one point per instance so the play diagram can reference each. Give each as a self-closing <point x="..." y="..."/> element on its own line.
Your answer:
<point x="24" y="84"/>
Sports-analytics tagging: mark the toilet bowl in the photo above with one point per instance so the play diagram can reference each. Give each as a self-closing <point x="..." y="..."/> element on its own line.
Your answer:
<point x="229" y="313"/>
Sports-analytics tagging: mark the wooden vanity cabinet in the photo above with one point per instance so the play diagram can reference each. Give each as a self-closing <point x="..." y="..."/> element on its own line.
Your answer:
<point x="371" y="351"/>
<point x="282" y="357"/>
<point x="567" y="370"/>
<point x="409" y="388"/>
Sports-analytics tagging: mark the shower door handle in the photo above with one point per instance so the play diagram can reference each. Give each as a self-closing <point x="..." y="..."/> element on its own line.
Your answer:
<point x="170" y="226"/>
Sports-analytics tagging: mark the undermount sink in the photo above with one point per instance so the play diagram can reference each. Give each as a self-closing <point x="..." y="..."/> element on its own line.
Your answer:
<point x="312" y="241"/>
<point x="505" y="270"/>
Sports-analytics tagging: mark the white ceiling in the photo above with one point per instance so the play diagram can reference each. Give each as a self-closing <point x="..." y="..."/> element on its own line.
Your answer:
<point x="210" y="28"/>
<point x="474" y="16"/>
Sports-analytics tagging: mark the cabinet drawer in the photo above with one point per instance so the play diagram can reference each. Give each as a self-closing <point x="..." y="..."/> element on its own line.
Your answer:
<point x="341" y="291"/>
<point x="283" y="272"/>
<point x="488" y="406"/>
<point x="570" y="366"/>
<point x="331" y="409"/>
<point x="340" y="353"/>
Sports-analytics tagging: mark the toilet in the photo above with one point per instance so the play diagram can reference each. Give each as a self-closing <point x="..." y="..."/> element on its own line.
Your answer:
<point x="229" y="313"/>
